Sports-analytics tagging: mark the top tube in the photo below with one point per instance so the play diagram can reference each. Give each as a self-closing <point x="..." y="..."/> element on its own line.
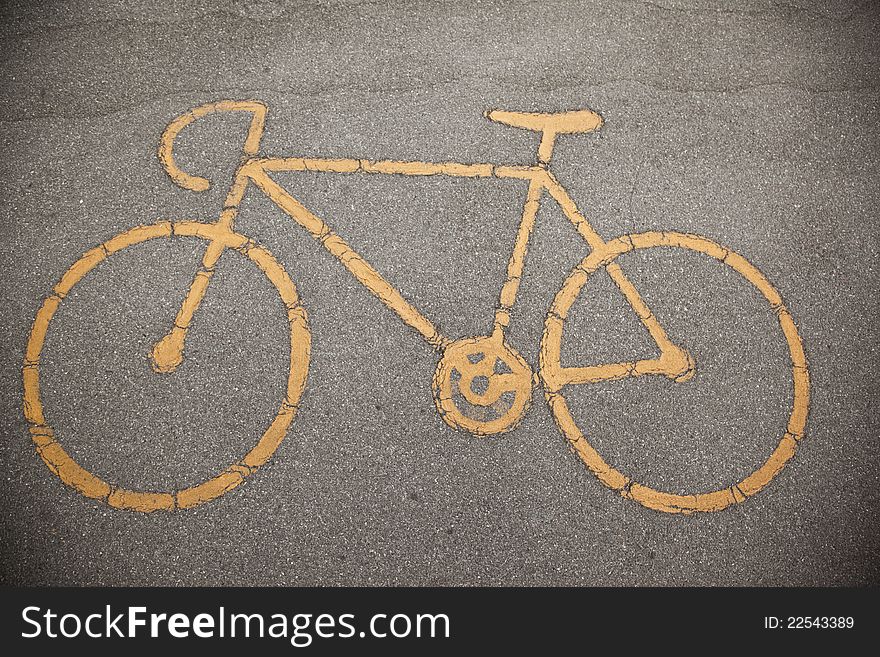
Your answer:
<point x="404" y="168"/>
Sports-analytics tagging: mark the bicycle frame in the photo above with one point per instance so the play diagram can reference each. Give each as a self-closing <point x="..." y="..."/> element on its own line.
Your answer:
<point x="673" y="362"/>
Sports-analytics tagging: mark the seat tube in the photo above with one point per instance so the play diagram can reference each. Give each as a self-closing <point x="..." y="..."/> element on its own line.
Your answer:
<point x="516" y="263"/>
<point x="545" y="148"/>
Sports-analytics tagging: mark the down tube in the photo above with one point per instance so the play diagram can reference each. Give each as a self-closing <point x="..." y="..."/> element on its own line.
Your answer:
<point x="357" y="265"/>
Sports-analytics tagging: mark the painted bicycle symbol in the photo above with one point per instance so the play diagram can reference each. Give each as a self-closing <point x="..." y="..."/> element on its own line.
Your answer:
<point x="481" y="384"/>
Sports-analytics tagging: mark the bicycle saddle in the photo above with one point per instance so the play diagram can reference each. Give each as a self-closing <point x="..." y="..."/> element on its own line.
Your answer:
<point x="559" y="122"/>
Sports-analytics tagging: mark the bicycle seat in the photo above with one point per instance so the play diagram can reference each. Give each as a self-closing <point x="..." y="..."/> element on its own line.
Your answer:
<point x="558" y="123"/>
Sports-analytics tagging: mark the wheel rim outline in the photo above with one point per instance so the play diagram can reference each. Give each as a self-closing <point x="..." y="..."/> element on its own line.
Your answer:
<point x="92" y="486"/>
<point x="649" y="497"/>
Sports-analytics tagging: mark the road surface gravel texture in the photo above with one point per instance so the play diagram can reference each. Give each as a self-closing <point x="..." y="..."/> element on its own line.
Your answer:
<point x="751" y="122"/>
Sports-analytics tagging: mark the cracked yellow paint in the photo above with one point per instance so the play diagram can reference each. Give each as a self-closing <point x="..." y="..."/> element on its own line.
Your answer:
<point x="507" y="379"/>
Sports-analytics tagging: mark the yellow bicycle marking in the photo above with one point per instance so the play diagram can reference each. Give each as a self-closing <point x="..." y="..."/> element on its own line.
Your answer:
<point x="507" y="379"/>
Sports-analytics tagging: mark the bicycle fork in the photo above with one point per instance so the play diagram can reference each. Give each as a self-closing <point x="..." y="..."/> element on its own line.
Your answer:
<point x="167" y="353"/>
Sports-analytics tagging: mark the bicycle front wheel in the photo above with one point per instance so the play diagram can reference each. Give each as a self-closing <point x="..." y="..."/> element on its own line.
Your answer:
<point x="90" y="485"/>
<point x="714" y="500"/>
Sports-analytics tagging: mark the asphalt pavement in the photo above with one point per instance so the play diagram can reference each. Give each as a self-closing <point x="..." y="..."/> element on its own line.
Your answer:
<point x="752" y="122"/>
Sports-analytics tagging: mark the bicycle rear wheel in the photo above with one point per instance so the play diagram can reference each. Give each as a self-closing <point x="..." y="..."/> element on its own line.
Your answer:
<point x="551" y="367"/>
<point x="92" y="486"/>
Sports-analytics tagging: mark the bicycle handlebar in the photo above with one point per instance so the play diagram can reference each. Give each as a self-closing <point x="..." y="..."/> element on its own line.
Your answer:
<point x="251" y="144"/>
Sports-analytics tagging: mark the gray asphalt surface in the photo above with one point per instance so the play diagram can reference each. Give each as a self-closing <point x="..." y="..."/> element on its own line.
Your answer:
<point x="752" y="122"/>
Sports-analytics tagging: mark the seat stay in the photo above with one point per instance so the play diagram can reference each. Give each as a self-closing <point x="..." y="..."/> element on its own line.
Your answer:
<point x="672" y="362"/>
